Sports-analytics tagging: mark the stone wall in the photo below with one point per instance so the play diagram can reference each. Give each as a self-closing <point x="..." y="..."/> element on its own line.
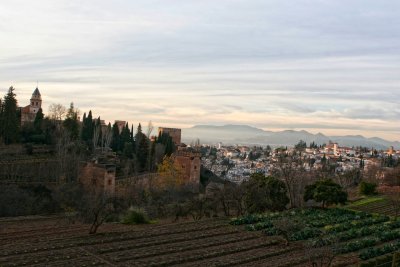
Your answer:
<point x="98" y="177"/>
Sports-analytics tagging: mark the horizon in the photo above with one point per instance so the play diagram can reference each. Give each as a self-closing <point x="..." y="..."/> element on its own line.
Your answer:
<point x="156" y="125"/>
<point x="318" y="66"/>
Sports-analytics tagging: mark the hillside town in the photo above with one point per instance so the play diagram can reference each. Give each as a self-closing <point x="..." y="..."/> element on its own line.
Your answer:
<point x="237" y="163"/>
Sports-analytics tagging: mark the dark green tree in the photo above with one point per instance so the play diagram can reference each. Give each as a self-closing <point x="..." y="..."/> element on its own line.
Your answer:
<point x="9" y="126"/>
<point x="71" y="123"/>
<point x="301" y="145"/>
<point x="38" y="122"/>
<point x="142" y="148"/>
<point x="125" y="137"/>
<point x="367" y="189"/>
<point x="115" y="141"/>
<point x="99" y="127"/>
<point x="325" y="191"/>
<point x="265" y="193"/>
<point x="87" y="127"/>
<point x="166" y="140"/>
<point x="152" y="157"/>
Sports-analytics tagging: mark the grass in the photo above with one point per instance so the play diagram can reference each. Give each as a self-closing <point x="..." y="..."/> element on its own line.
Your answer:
<point x="366" y="201"/>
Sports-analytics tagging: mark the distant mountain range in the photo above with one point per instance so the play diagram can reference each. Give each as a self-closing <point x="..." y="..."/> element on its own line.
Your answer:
<point x="247" y="135"/>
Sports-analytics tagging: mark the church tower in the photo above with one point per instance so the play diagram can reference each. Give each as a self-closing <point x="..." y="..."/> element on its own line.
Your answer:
<point x="36" y="101"/>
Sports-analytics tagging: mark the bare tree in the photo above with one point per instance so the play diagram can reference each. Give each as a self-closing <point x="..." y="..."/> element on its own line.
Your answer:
<point x="96" y="134"/>
<point x="97" y="208"/>
<point x="150" y="129"/>
<point x="320" y="254"/>
<point x="106" y="137"/>
<point x="287" y="227"/>
<point x="287" y="170"/>
<point x="57" y="111"/>
<point x="348" y="179"/>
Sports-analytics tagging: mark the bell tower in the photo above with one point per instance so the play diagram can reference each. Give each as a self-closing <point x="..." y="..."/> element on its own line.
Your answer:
<point x="36" y="101"/>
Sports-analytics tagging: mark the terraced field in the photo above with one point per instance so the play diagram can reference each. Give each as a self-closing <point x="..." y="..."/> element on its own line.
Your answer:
<point x="375" y="205"/>
<point x="352" y="236"/>
<point x="52" y="242"/>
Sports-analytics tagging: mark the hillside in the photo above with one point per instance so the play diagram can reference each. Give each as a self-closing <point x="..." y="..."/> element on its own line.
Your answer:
<point x="247" y="135"/>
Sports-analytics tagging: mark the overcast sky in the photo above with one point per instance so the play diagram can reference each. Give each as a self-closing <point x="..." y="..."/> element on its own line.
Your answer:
<point x="330" y="66"/>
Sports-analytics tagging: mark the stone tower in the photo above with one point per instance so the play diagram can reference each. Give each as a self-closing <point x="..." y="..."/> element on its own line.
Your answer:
<point x="36" y="102"/>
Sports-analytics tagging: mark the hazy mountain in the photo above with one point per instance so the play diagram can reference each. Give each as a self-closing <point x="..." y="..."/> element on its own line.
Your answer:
<point x="224" y="134"/>
<point x="243" y="134"/>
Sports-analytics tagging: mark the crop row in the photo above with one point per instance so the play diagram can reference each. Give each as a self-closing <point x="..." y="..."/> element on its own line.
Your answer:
<point x="344" y="231"/>
<point x="379" y="251"/>
<point x="108" y="238"/>
<point x="42" y="258"/>
<point x="314" y="217"/>
<point x="201" y="254"/>
<point x="195" y="243"/>
<point x="370" y="241"/>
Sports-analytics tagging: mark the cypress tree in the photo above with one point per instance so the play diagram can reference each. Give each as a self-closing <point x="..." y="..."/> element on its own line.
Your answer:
<point x="37" y="124"/>
<point x="152" y="157"/>
<point x="125" y="137"/>
<point x="9" y="121"/>
<point x="83" y="132"/>
<point x="98" y="123"/>
<point x="71" y="123"/>
<point x="89" y="126"/>
<point x="115" y="138"/>
<point x="142" y="149"/>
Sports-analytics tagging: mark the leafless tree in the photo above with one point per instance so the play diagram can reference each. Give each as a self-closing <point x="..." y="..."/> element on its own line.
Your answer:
<point x="239" y="194"/>
<point x="287" y="169"/>
<point x="106" y="137"/>
<point x="223" y="194"/>
<point x="150" y="129"/>
<point x="98" y="207"/>
<point x="57" y="111"/>
<point x="319" y="254"/>
<point x="96" y="135"/>
<point x="287" y="227"/>
<point x="348" y="179"/>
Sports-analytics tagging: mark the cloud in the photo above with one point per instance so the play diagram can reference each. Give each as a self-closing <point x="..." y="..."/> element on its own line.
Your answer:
<point x="312" y="64"/>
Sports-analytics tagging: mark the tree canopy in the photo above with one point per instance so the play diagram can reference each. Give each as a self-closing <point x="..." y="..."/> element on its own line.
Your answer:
<point x="265" y="193"/>
<point x="325" y="191"/>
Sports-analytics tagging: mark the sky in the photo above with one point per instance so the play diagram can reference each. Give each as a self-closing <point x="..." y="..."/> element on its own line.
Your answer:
<point x="330" y="66"/>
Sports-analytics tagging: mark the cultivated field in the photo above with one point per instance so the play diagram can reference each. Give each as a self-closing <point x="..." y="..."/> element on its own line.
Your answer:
<point x="377" y="204"/>
<point x="352" y="236"/>
<point x="51" y="241"/>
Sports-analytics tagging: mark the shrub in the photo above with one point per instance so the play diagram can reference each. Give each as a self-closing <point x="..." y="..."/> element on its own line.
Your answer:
<point x="135" y="216"/>
<point x="367" y="189"/>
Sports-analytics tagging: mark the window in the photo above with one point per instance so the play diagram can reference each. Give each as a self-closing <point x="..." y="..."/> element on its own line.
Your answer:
<point x="195" y="167"/>
<point x="109" y="182"/>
